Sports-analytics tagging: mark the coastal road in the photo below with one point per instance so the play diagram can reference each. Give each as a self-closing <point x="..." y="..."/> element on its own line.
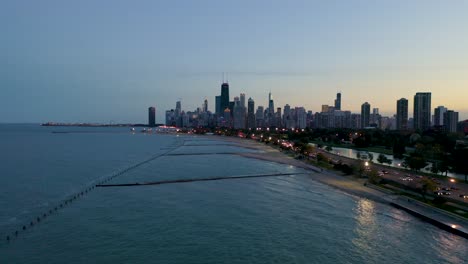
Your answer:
<point x="409" y="178"/>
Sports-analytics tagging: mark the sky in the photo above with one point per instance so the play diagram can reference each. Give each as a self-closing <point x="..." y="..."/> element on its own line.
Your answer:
<point x="109" y="60"/>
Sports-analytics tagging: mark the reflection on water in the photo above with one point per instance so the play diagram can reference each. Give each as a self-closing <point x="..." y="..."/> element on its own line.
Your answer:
<point x="448" y="244"/>
<point x="365" y="229"/>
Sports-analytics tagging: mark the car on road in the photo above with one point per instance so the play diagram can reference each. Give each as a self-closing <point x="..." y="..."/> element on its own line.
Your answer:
<point x="442" y="193"/>
<point x="406" y="178"/>
<point x="464" y="196"/>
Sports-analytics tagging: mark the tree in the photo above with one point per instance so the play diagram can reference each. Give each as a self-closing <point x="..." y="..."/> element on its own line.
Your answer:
<point x="435" y="168"/>
<point x="398" y="149"/>
<point x="415" y="161"/>
<point x="328" y="148"/>
<point x="445" y="165"/>
<point x="361" y="169"/>
<point x="362" y="141"/>
<point x="308" y="149"/>
<point x="460" y="161"/>
<point x="374" y="177"/>
<point x="321" y="157"/>
<point x="370" y="156"/>
<point x="299" y="146"/>
<point x="383" y="159"/>
<point x="427" y="185"/>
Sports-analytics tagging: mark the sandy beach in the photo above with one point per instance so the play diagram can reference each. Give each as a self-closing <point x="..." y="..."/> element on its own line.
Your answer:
<point x="347" y="184"/>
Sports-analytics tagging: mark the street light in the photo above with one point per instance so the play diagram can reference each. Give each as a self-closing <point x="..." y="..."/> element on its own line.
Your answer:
<point x="452" y="180"/>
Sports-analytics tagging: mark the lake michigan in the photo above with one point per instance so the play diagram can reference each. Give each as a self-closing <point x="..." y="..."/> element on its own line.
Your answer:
<point x="50" y="212"/>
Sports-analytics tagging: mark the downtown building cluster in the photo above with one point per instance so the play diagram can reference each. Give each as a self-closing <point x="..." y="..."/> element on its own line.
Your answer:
<point x="239" y="114"/>
<point x="242" y="114"/>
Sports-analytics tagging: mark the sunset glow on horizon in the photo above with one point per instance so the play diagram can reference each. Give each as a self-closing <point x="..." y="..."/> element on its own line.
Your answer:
<point x="95" y="61"/>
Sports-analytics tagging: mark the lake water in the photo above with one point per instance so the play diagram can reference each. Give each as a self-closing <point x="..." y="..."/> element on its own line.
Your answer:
<point x="290" y="219"/>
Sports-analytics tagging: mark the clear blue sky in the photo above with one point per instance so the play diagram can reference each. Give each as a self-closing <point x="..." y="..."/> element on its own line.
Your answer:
<point x="97" y="61"/>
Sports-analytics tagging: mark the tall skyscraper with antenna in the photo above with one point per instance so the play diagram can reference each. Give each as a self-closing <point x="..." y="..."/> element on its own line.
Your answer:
<point x="271" y="105"/>
<point x="224" y="95"/>
<point x="338" y="101"/>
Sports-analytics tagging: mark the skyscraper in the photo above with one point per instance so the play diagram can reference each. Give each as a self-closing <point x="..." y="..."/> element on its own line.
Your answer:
<point x="239" y="114"/>
<point x="178" y="108"/>
<point x="271" y="105"/>
<point x="152" y="116"/>
<point x="270" y="119"/>
<point x="439" y="115"/>
<point x="365" y="114"/>
<point x="301" y="117"/>
<point x="338" y="101"/>
<point x="242" y="99"/>
<point x="451" y="121"/>
<point x="205" y="106"/>
<point x="226" y="118"/>
<point x="402" y="114"/>
<point x="218" y="109"/>
<point x="259" y="117"/>
<point x="278" y="121"/>
<point x="375" y="117"/>
<point x="178" y="112"/>
<point x="251" y="114"/>
<point x="422" y="111"/>
<point x="224" y="96"/>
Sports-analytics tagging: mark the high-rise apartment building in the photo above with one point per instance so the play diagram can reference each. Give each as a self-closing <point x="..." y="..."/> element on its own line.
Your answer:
<point x="402" y="114"/>
<point x="152" y="116"/>
<point x="451" y="121"/>
<point x="301" y="117"/>
<point x="439" y="115"/>
<point x="422" y="111"/>
<point x="365" y="114"/>
<point x="375" y="118"/>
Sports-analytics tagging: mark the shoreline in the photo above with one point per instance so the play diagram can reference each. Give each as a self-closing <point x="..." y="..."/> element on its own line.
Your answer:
<point x="357" y="187"/>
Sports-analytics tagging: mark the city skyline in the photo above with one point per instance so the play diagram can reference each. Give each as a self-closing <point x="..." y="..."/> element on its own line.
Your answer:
<point x="86" y="62"/>
<point x="236" y="115"/>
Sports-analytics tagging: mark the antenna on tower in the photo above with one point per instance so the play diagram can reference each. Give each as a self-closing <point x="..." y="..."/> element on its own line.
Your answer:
<point x="227" y="78"/>
<point x="222" y="81"/>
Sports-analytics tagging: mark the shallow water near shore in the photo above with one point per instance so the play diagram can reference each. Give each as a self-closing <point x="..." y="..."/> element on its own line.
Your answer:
<point x="288" y="219"/>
